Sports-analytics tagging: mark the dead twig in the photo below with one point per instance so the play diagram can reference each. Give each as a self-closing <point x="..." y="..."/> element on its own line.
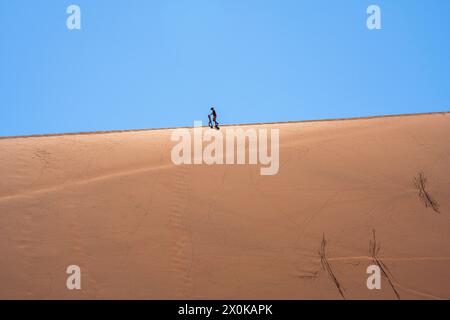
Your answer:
<point x="326" y="266"/>
<point x="374" y="249"/>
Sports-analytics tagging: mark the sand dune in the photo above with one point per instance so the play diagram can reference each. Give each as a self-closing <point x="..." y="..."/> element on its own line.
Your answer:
<point x="142" y="228"/>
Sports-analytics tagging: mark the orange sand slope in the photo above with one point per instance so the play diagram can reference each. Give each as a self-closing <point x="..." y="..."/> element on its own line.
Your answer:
<point x="140" y="227"/>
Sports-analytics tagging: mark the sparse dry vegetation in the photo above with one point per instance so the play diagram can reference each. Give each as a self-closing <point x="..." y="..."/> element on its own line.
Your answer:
<point x="327" y="267"/>
<point x="374" y="249"/>
<point x="420" y="184"/>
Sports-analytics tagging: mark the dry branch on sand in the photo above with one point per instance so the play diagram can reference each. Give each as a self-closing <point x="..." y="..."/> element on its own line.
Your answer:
<point x="326" y="266"/>
<point x="420" y="182"/>
<point x="374" y="249"/>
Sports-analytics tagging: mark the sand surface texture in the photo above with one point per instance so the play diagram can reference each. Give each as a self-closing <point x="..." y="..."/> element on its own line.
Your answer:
<point x="348" y="194"/>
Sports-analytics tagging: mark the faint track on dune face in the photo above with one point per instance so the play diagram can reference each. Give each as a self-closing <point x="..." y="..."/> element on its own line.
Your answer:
<point x="326" y="266"/>
<point x="69" y="184"/>
<point x="420" y="293"/>
<point x="304" y="226"/>
<point x="26" y="249"/>
<point x="82" y="258"/>
<point x="44" y="157"/>
<point x="414" y="259"/>
<point x="181" y="250"/>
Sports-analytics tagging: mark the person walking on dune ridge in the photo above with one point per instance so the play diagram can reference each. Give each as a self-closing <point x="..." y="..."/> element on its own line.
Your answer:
<point x="213" y="115"/>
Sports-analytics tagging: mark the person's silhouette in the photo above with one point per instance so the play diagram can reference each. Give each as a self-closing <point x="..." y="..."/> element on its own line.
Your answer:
<point x="213" y="115"/>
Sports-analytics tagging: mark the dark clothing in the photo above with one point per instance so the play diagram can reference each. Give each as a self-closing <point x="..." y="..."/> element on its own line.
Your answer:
<point x="214" y="117"/>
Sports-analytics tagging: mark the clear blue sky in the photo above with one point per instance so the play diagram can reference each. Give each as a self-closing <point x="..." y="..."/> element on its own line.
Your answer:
<point x="147" y="64"/>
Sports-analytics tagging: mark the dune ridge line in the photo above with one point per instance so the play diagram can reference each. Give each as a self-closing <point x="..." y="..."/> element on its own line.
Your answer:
<point x="226" y="125"/>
